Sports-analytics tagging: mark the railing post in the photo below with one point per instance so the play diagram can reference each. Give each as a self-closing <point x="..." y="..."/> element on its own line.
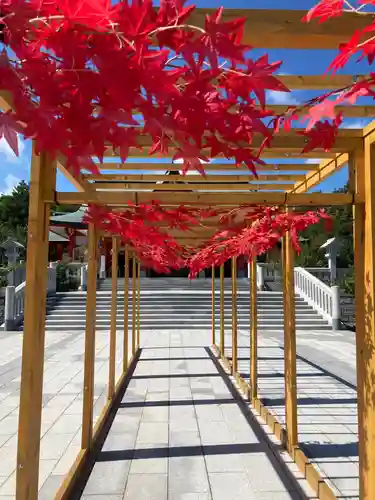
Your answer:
<point x="336" y="308"/>
<point x="138" y="304"/>
<point x="42" y="185"/>
<point x="134" y="290"/>
<point x="261" y="270"/>
<point x="126" y="311"/>
<point x="113" y="331"/>
<point x="89" y="361"/>
<point x="290" y="353"/>
<point x="222" y="319"/>
<point x="84" y="278"/>
<point x="52" y="276"/>
<point x="253" y="331"/>
<point x="213" y="305"/>
<point x="234" y="317"/>
<point x="9" y="313"/>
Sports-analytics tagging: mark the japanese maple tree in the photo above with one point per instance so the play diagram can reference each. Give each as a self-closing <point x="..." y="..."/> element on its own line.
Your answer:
<point x="90" y="78"/>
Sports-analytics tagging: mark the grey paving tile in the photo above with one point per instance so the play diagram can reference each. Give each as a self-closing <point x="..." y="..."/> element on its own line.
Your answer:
<point x="146" y="487"/>
<point x="231" y="486"/>
<point x="153" y="432"/>
<point x="108" y="478"/>
<point x="50" y="486"/>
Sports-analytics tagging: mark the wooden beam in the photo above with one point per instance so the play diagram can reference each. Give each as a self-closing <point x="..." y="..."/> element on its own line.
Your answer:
<point x="126" y="311"/>
<point x="138" y="304"/>
<point x="357" y="188"/>
<point x="42" y="185"/>
<point x="234" y="317"/>
<point x="6" y="101"/>
<point x="347" y="111"/>
<point x="213" y="167"/>
<point x="290" y="354"/>
<point x="253" y="330"/>
<point x="202" y="199"/>
<point x="326" y="168"/>
<point x="364" y="236"/>
<point x="213" y="304"/>
<point x="196" y="177"/>
<point x="134" y="314"/>
<point x="77" y="180"/>
<point x="138" y="187"/>
<point x="113" y="326"/>
<point x="318" y="82"/>
<point x="89" y="363"/>
<point x="283" y="141"/>
<point x="276" y="29"/>
<point x="222" y="319"/>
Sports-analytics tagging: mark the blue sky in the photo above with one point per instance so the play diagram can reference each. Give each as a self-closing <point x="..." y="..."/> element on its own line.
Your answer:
<point x="14" y="169"/>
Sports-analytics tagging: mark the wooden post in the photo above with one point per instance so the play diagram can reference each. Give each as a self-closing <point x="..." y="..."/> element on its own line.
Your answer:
<point x="213" y="306"/>
<point x="222" y="304"/>
<point x="290" y="354"/>
<point x="253" y="329"/>
<point x="88" y="384"/>
<point x="134" y="290"/>
<point x="42" y="185"/>
<point x="138" y="304"/>
<point x="113" y="333"/>
<point x="126" y="312"/>
<point x="362" y="167"/>
<point x="234" y="317"/>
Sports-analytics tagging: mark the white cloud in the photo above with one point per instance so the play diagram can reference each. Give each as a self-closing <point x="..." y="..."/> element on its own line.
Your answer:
<point x="275" y="97"/>
<point x="6" y="150"/>
<point x="312" y="161"/>
<point x="11" y="181"/>
<point x="360" y="123"/>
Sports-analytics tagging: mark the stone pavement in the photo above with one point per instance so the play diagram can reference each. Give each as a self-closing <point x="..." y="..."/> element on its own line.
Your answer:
<point x="327" y="403"/>
<point x="183" y="433"/>
<point x="62" y="404"/>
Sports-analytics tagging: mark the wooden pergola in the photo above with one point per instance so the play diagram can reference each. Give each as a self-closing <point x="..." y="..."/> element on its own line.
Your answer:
<point x="285" y="181"/>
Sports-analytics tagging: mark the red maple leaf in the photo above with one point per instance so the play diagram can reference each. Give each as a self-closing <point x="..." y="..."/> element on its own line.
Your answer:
<point x="322" y="135"/>
<point x="324" y="10"/>
<point x="9" y="129"/>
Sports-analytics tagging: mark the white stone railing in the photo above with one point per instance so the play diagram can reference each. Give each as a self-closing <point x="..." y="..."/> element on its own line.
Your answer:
<point x="15" y="300"/>
<point x="323" y="298"/>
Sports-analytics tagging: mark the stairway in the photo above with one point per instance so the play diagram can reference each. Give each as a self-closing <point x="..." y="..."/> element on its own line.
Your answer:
<point x="181" y="304"/>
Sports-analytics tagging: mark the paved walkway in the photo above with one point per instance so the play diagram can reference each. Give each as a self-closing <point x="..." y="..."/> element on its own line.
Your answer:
<point x="182" y="433"/>
<point x="62" y="404"/>
<point x="326" y="397"/>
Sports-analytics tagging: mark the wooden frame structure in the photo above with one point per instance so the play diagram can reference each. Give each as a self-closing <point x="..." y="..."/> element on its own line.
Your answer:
<point x="286" y="180"/>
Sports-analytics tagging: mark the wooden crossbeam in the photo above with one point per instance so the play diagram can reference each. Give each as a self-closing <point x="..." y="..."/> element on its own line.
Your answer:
<point x="213" y="167"/>
<point x="318" y="82"/>
<point x="347" y="111"/>
<point x="271" y="28"/>
<point x="283" y="142"/>
<point x="326" y="168"/>
<point x="129" y="187"/>
<point x="205" y="199"/>
<point x="196" y="177"/>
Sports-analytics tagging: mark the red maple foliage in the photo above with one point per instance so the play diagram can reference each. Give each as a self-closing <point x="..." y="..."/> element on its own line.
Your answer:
<point x="252" y="231"/>
<point x="91" y="78"/>
<point x="87" y="76"/>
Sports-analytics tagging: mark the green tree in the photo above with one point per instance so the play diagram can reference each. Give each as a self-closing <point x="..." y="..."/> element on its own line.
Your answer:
<point x="14" y="210"/>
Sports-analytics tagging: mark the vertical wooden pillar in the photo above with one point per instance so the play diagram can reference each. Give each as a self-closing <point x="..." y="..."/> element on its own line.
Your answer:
<point x="290" y="354"/>
<point x="134" y="314"/>
<point x="222" y="304"/>
<point x="234" y="317"/>
<point x="126" y="312"/>
<point x="88" y="383"/>
<point x="362" y="163"/>
<point x="42" y="185"/>
<point x="253" y="329"/>
<point x="113" y="332"/>
<point x="138" y="304"/>
<point x="213" y="306"/>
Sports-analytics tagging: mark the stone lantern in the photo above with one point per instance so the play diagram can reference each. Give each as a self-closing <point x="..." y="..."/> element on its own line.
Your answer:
<point x="12" y="250"/>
